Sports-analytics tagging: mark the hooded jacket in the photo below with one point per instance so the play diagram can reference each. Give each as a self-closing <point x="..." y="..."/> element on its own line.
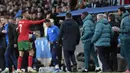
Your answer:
<point x="88" y="29"/>
<point x="102" y="34"/>
<point x="125" y="26"/>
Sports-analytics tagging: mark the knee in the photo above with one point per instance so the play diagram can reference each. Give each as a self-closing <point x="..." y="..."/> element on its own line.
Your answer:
<point x="21" y="54"/>
<point x="31" y="53"/>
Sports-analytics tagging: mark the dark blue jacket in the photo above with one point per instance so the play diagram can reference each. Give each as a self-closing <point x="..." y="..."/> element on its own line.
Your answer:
<point x="52" y="33"/>
<point x="2" y="39"/>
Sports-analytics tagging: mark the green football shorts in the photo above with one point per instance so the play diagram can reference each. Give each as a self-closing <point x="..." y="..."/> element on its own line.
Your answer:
<point x="24" y="46"/>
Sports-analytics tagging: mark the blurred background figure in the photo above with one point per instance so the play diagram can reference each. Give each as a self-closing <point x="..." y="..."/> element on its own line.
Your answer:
<point x="114" y="42"/>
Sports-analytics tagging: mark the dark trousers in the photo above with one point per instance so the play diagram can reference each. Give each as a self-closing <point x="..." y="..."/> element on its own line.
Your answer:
<point x="2" y="61"/>
<point x="54" y="54"/>
<point x="113" y="58"/>
<point x="125" y="50"/>
<point x="89" y="51"/>
<point x="59" y="54"/>
<point x="104" y="55"/>
<point x="56" y="51"/>
<point x="10" y="54"/>
<point x="69" y="57"/>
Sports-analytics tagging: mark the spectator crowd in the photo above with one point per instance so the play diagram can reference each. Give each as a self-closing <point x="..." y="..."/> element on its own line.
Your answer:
<point x="101" y="37"/>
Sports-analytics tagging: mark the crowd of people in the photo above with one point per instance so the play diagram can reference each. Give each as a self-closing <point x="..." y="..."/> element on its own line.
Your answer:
<point x="41" y="7"/>
<point x="17" y="36"/>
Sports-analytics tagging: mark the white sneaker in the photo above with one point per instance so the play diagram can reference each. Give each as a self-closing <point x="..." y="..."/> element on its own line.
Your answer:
<point x="98" y="69"/>
<point x="68" y="72"/>
<point x="6" y="70"/>
<point x="23" y="70"/>
<point x="19" y="71"/>
<point x="0" y="69"/>
<point x="56" y="66"/>
<point x="30" y="69"/>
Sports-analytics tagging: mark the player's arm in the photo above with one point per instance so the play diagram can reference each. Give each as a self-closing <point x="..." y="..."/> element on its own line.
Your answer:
<point x="36" y="22"/>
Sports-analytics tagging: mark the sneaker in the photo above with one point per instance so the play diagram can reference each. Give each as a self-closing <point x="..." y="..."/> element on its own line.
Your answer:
<point x="57" y="70"/>
<point x="98" y="70"/>
<point x="127" y="71"/>
<point x="31" y="70"/>
<point x="68" y="72"/>
<point x="56" y="66"/>
<point x="0" y="70"/>
<point x="6" y="70"/>
<point x="19" y="71"/>
<point x="85" y="70"/>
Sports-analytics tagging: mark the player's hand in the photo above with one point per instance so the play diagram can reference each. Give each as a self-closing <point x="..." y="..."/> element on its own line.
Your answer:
<point x="48" y="16"/>
<point x="50" y="42"/>
<point x="4" y="31"/>
<point x="116" y="29"/>
<point x="57" y="42"/>
<point x="17" y="29"/>
<point x="37" y="34"/>
<point x="15" y="45"/>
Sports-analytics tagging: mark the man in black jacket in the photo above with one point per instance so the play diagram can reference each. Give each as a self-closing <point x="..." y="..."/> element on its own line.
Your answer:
<point x="70" y="34"/>
<point x="2" y="49"/>
<point x="10" y="37"/>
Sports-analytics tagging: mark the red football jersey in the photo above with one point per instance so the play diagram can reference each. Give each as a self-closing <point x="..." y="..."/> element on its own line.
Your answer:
<point x="24" y="29"/>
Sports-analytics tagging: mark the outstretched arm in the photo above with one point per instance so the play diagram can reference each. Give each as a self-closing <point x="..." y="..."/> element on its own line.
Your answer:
<point x="36" y="22"/>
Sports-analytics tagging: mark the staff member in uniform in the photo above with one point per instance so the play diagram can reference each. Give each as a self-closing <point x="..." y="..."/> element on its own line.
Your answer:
<point x="101" y="39"/>
<point x="125" y="35"/>
<point x="87" y="34"/>
<point x="52" y="35"/>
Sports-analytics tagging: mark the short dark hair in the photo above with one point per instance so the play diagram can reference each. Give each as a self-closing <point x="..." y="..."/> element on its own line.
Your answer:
<point x="85" y="13"/>
<point x="122" y="9"/>
<point x="47" y="20"/>
<point x="68" y="15"/>
<point x="112" y="16"/>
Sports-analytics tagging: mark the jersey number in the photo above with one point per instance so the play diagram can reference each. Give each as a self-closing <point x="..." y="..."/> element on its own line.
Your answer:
<point x="20" y="26"/>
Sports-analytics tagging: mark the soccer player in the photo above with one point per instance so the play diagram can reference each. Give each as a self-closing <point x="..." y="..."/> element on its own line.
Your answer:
<point x="23" y="41"/>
